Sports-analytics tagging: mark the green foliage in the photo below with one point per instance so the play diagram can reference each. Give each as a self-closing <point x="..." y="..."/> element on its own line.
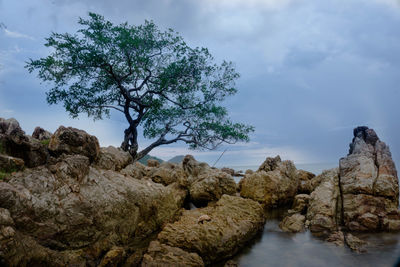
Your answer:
<point x="153" y="77"/>
<point x="45" y="142"/>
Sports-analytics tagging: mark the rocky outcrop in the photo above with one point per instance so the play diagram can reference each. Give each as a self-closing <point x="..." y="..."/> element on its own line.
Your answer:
<point x="41" y="134"/>
<point x="112" y="158"/>
<point x="233" y="222"/>
<point x="274" y="183"/>
<point x="74" y="141"/>
<point x="167" y="173"/>
<point x="164" y="255"/>
<point x="77" y="209"/>
<point x="324" y="206"/>
<point x="15" y="143"/>
<point x="206" y="184"/>
<point x="293" y="223"/>
<point x="307" y="183"/>
<point x="369" y="184"/>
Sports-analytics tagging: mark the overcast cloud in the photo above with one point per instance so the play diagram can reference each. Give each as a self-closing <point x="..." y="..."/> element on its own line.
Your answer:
<point x="311" y="70"/>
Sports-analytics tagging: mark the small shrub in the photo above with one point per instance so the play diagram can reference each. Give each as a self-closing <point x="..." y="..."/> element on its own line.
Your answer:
<point x="45" y="142"/>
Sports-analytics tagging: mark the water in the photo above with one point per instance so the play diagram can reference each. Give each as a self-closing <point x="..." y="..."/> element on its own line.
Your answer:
<point x="273" y="247"/>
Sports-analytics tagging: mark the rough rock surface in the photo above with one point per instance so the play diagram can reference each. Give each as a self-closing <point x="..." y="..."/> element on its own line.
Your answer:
<point x="164" y="255"/>
<point x="72" y="212"/>
<point x="15" y="143"/>
<point x="293" y="223"/>
<point x="41" y="134"/>
<point x="306" y="185"/>
<point x="112" y="158"/>
<point x="167" y="173"/>
<point x="234" y="221"/>
<point x="74" y="141"/>
<point x="324" y="205"/>
<point x="274" y="183"/>
<point x="300" y="204"/>
<point x="10" y="164"/>
<point x="369" y="184"/>
<point x="206" y="184"/>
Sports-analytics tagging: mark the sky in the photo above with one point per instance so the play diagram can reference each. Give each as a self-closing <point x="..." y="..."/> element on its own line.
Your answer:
<point x="311" y="70"/>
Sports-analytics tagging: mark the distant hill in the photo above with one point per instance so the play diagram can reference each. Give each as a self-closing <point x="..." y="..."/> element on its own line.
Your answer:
<point x="147" y="157"/>
<point x="177" y="159"/>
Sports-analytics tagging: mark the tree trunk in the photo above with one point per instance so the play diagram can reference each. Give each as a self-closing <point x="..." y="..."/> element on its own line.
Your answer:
<point x="130" y="142"/>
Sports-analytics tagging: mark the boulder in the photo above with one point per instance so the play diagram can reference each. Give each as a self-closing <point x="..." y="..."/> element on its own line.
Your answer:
<point x="114" y="257"/>
<point x="205" y="184"/>
<point x="167" y="173"/>
<point x="153" y="163"/>
<point x="41" y="134"/>
<point x="369" y="184"/>
<point x="300" y="204"/>
<point x="210" y="186"/>
<point x="306" y="185"/>
<point x="233" y="222"/>
<point x="10" y="164"/>
<point x="71" y="212"/>
<point x="74" y="141"/>
<point x="293" y="223"/>
<point x="112" y="158"/>
<point x="136" y="170"/>
<point x="163" y="255"/>
<point x="324" y="204"/>
<point x="274" y="183"/>
<point x="15" y="143"/>
<point x="229" y="171"/>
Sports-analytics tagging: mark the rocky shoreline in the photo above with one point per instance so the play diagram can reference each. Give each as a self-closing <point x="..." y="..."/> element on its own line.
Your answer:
<point x="64" y="201"/>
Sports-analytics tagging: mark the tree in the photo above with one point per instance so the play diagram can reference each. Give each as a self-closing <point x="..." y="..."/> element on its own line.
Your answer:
<point x="153" y="77"/>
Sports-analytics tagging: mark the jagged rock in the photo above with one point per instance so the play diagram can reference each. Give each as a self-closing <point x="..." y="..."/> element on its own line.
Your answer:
<point x="163" y="255"/>
<point x="355" y="243"/>
<point x="369" y="183"/>
<point x="136" y="170"/>
<point x="210" y="186"/>
<point x="300" y="204"/>
<point x="336" y="238"/>
<point x="324" y="205"/>
<point x="231" y="263"/>
<point x="5" y="218"/>
<point x="73" y="213"/>
<point x="305" y="181"/>
<point x="234" y="221"/>
<point x="229" y="171"/>
<point x="74" y="141"/>
<point x="153" y="163"/>
<point x="205" y="184"/>
<point x="15" y="143"/>
<point x="41" y="134"/>
<point x="10" y="164"/>
<point x="167" y="173"/>
<point x="112" y="158"/>
<point x="114" y="257"/>
<point x="293" y="223"/>
<point x="274" y="183"/>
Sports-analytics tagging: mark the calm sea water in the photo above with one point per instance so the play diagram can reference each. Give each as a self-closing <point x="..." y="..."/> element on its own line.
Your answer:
<point x="273" y="247"/>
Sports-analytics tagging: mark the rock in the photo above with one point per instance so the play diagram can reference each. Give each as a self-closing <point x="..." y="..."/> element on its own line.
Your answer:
<point x="231" y="263"/>
<point x="112" y="158"/>
<point x="355" y="243"/>
<point x="74" y="141"/>
<point x="300" y="203"/>
<point x="336" y="238"/>
<point x="234" y="221"/>
<point x="71" y="212"/>
<point x="324" y="205"/>
<point x="305" y="181"/>
<point x="229" y="171"/>
<point x="210" y="186"/>
<point x="114" y="257"/>
<point x="153" y="163"/>
<point x="10" y="164"/>
<point x="15" y="143"/>
<point x="168" y="173"/>
<point x="135" y="170"/>
<point x="192" y="167"/>
<point x="293" y="223"/>
<point x="163" y="255"/>
<point x="273" y="184"/>
<point x="203" y="218"/>
<point x="369" y="184"/>
<point x="41" y="134"/>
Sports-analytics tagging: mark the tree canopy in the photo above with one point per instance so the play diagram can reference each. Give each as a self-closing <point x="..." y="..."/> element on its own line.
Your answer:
<point x="153" y="77"/>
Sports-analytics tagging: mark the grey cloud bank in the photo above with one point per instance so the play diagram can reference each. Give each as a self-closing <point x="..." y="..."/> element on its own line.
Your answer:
<point x="311" y="70"/>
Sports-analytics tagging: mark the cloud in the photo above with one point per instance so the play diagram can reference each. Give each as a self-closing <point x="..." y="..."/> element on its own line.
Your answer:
<point x="12" y="34"/>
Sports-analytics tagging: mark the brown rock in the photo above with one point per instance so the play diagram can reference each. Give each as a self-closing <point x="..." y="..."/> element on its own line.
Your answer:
<point x="324" y="205"/>
<point x="41" y="134"/>
<point x="293" y="223"/>
<point x="112" y="158"/>
<point x="10" y="164"/>
<point x="229" y="171"/>
<point x="305" y="181"/>
<point x="135" y="170"/>
<point x="277" y="185"/>
<point x="234" y="221"/>
<point x="355" y="243"/>
<point x="168" y="173"/>
<point x="336" y="238"/>
<point x="163" y="255"/>
<point x="74" y="141"/>
<point x="114" y="257"/>
<point x="153" y="163"/>
<point x="300" y="203"/>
